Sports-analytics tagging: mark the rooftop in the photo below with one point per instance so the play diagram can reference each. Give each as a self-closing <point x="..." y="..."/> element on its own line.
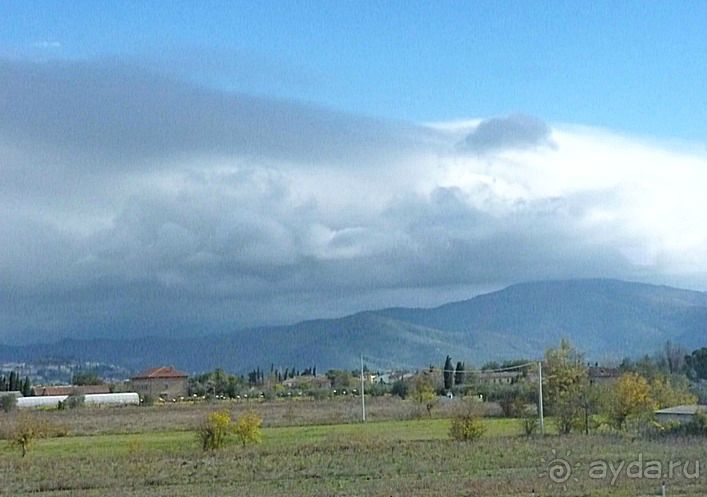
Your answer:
<point x="161" y="372"/>
<point x="684" y="409"/>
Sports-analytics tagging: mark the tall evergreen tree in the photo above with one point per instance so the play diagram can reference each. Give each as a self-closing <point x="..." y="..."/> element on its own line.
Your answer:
<point x="13" y="382"/>
<point x="448" y="373"/>
<point x="27" y="387"/>
<point x="459" y="374"/>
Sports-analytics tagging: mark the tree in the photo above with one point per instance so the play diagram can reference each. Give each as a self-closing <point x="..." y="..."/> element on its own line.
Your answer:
<point x="8" y="402"/>
<point x="400" y="388"/>
<point x="247" y="428"/>
<point x="339" y="379"/>
<point x="448" y="374"/>
<point x="459" y="374"/>
<point x="669" y="391"/>
<point x="565" y="380"/>
<point x="13" y="382"/>
<point x="27" y="387"/>
<point x="213" y="431"/>
<point x="26" y="430"/>
<point x="86" y="378"/>
<point x="697" y="363"/>
<point x="629" y="397"/>
<point x="674" y="357"/>
<point x="424" y="391"/>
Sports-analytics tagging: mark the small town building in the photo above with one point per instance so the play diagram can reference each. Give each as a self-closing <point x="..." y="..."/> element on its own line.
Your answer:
<point x="165" y="382"/>
<point x="599" y="375"/>
<point x="679" y="414"/>
<point x="497" y="377"/>
<point x="307" y="382"/>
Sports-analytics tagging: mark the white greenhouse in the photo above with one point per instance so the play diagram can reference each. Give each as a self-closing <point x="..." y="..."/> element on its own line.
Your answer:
<point x="99" y="399"/>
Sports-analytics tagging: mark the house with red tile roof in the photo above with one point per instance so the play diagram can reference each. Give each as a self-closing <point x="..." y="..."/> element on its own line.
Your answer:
<point x="165" y="382"/>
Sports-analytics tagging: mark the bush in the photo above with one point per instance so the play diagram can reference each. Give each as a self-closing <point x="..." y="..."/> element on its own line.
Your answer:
<point x="400" y="388"/>
<point x="8" y="403"/>
<point x="213" y="431"/>
<point x="467" y="425"/>
<point x="530" y="420"/>
<point x="377" y="389"/>
<point x="247" y="428"/>
<point x="26" y="430"/>
<point x="74" y="401"/>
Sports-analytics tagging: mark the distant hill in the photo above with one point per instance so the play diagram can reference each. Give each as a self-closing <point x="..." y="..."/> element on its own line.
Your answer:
<point x="603" y="318"/>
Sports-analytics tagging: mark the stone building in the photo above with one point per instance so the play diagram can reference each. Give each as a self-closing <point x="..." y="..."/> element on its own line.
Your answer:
<point x="164" y="382"/>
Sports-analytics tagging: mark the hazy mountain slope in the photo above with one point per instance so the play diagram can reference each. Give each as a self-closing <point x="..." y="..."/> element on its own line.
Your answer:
<point x="603" y="318"/>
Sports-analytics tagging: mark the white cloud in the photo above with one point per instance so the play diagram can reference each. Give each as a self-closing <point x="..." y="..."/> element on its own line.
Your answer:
<point x="219" y="210"/>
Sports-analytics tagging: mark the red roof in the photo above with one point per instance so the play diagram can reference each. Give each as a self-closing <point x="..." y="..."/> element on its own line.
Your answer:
<point x="40" y="391"/>
<point x="163" y="372"/>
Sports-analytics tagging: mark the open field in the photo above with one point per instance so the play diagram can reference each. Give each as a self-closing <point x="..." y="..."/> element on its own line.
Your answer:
<point x="410" y="457"/>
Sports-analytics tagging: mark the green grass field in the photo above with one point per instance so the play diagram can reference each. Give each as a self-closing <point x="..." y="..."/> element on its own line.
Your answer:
<point x="406" y="457"/>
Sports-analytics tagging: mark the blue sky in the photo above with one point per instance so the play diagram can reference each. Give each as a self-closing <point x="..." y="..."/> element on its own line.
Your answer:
<point x="632" y="66"/>
<point x="194" y="167"/>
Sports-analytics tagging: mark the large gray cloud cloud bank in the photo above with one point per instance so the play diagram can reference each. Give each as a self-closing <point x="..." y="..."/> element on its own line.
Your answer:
<point x="137" y="204"/>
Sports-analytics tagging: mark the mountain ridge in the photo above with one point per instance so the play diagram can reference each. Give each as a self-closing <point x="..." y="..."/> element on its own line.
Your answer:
<point x="605" y="318"/>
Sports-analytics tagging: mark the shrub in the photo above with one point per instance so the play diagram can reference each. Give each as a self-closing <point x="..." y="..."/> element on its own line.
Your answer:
<point x="74" y="401"/>
<point x="466" y="428"/>
<point x="247" y="428"/>
<point x="26" y="430"/>
<point x="530" y="421"/>
<point x="8" y="403"/>
<point x="214" y="429"/>
<point x="400" y="388"/>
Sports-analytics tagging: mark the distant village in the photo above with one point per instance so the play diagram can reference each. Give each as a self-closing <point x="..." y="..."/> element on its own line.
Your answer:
<point x="675" y="384"/>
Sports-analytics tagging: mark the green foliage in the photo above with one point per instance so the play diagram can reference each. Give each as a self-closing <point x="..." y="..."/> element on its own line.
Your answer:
<point x="565" y="382"/>
<point x="340" y="379"/>
<point x="400" y="388"/>
<point x="628" y="398"/>
<point x="530" y="421"/>
<point x="75" y="400"/>
<point x="511" y="398"/>
<point x="216" y="384"/>
<point x="697" y="363"/>
<point x="671" y="390"/>
<point x="13" y="383"/>
<point x="448" y="374"/>
<point x="248" y="428"/>
<point x="459" y="376"/>
<point x="214" y="430"/>
<point x="467" y="425"/>
<point x="86" y="378"/>
<point x="8" y="403"/>
<point x="26" y="430"/>
<point x="424" y="391"/>
<point x="377" y="389"/>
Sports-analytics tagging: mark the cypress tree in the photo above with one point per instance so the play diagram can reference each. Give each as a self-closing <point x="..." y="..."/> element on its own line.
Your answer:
<point x="448" y="373"/>
<point x="459" y="374"/>
<point x="13" y="382"/>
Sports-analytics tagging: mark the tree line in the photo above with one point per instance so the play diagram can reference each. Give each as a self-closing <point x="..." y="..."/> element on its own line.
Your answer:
<point x="13" y="382"/>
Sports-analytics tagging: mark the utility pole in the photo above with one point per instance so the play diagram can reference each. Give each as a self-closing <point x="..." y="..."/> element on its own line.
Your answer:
<point x="540" y="397"/>
<point x="363" y="394"/>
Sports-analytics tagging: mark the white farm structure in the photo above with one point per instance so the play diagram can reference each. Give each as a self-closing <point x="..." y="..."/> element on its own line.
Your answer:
<point x="100" y="399"/>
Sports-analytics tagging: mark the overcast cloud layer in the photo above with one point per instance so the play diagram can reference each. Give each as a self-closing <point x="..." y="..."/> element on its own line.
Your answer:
<point x="136" y="204"/>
